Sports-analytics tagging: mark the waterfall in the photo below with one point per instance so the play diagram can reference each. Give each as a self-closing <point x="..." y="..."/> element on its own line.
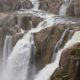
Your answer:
<point x="18" y="62"/>
<point x="7" y="48"/>
<point x="64" y="7"/>
<point x="47" y="71"/>
<point x="58" y="44"/>
<point x="22" y="7"/>
<point x="32" y="67"/>
<point x="48" y="17"/>
<point x="35" y="3"/>
<point x="31" y="24"/>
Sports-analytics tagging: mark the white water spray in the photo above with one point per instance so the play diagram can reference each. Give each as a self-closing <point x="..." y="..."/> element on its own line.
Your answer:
<point x="22" y="7"/>
<point x="7" y="48"/>
<point x="47" y="72"/>
<point x="18" y="61"/>
<point x="35" y="3"/>
<point x="64" y="7"/>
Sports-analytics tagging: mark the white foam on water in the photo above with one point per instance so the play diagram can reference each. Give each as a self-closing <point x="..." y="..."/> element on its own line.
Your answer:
<point x="35" y="3"/>
<point x="7" y="48"/>
<point x="18" y="61"/>
<point x="64" y="7"/>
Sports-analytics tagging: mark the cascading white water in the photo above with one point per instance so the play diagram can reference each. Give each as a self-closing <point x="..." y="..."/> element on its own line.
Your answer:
<point x="18" y="61"/>
<point x="64" y="7"/>
<point x="58" y="44"/>
<point x="35" y="3"/>
<point x="46" y="72"/>
<point x="48" y="21"/>
<point x="22" y="7"/>
<point x="7" y="48"/>
<point x="31" y="24"/>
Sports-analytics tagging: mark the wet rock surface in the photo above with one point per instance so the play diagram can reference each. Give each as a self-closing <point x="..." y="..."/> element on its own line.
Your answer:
<point x="26" y="23"/>
<point x="69" y="64"/>
<point x="45" y="41"/>
<point x="48" y="38"/>
<point x="50" y="5"/>
<point x="11" y="5"/>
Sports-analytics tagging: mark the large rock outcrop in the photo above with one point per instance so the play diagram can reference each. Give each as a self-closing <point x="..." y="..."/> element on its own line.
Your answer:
<point x="27" y="22"/>
<point x="45" y="44"/>
<point x="69" y="64"/>
<point x="55" y="5"/>
<point x="50" y="5"/>
<point x="74" y="8"/>
<point x="47" y="39"/>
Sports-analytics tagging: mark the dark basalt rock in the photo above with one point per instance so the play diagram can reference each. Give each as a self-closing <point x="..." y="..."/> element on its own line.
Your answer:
<point x="11" y="5"/>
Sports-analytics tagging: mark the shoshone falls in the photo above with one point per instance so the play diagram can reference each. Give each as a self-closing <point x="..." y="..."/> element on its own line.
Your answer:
<point x="18" y="62"/>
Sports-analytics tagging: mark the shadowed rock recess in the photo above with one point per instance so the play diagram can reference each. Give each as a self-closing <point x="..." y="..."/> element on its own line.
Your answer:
<point x="32" y="32"/>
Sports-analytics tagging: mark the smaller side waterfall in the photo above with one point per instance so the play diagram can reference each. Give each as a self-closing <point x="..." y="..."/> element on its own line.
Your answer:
<point x="22" y="7"/>
<point x="7" y="48"/>
<point x="46" y="72"/>
<point x="35" y="3"/>
<point x="58" y="44"/>
<point x="64" y="7"/>
<point x="31" y="23"/>
<point x="18" y="61"/>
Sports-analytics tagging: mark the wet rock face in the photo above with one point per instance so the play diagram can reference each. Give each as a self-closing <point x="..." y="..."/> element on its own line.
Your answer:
<point x="9" y="5"/>
<point x="26" y="23"/>
<point x="50" y="5"/>
<point x="11" y="25"/>
<point x="54" y="7"/>
<point x="46" y="41"/>
<point x="26" y="4"/>
<point x="74" y="8"/>
<point x="69" y="64"/>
